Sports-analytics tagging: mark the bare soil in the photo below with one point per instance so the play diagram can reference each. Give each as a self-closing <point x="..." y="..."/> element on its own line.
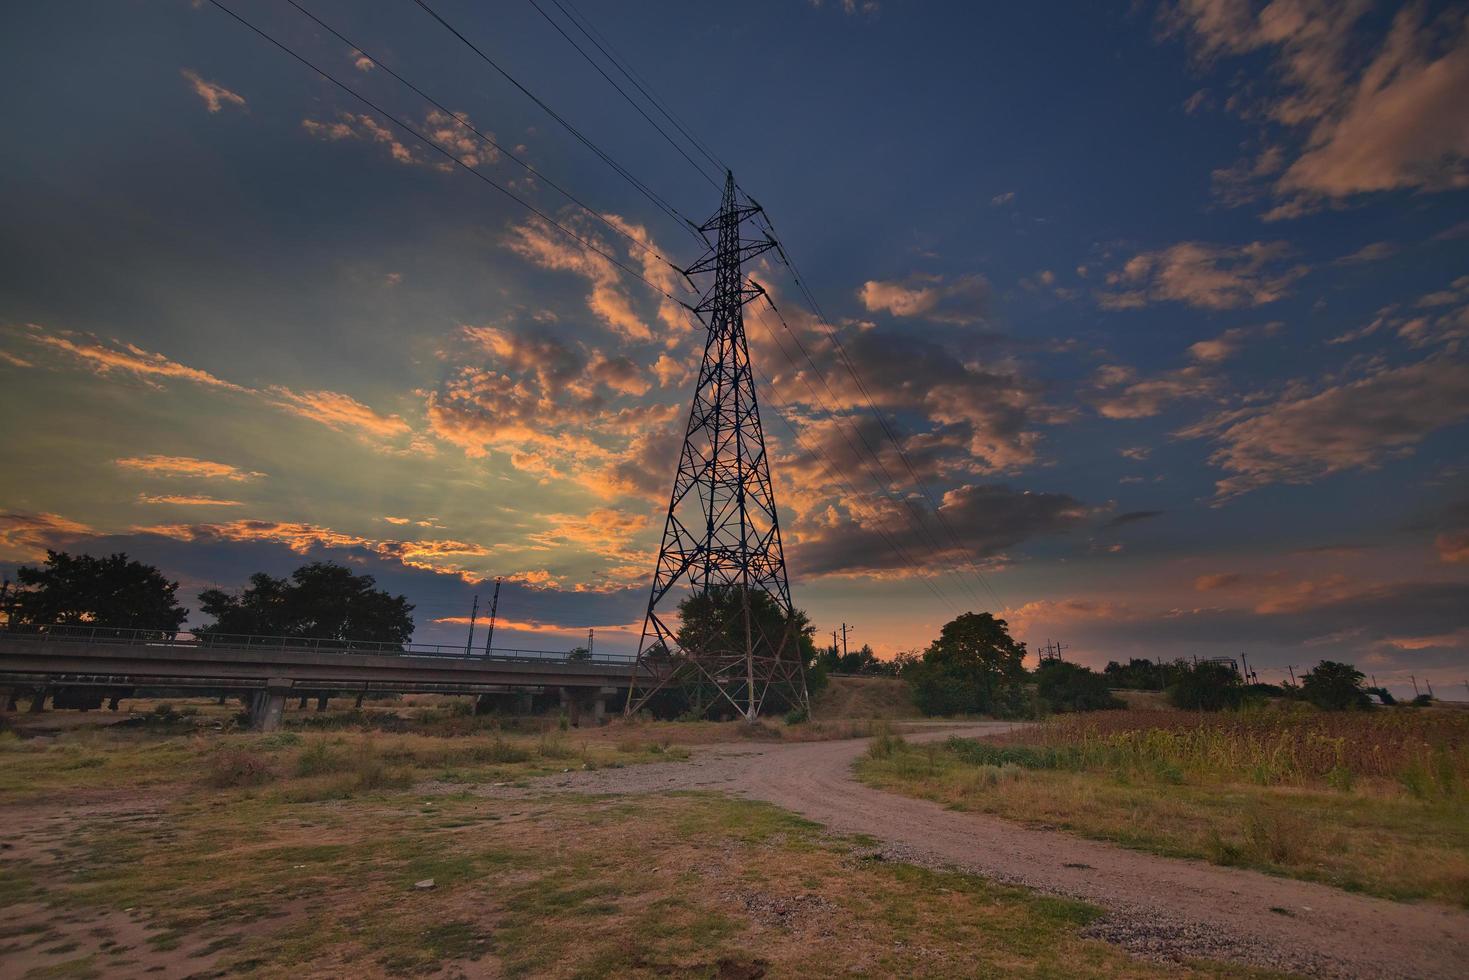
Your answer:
<point x="1159" y="907"/>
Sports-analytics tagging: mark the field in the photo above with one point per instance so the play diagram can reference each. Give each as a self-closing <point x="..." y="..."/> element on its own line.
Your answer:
<point x="365" y="845"/>
<point x="1370" y="801"/>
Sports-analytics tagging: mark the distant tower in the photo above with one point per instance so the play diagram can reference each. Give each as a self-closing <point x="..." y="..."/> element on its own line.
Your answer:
<point x="721" y="539"/>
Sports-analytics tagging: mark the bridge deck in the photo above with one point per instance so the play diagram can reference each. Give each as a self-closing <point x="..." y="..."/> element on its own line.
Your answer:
<point x="128" y="661"/>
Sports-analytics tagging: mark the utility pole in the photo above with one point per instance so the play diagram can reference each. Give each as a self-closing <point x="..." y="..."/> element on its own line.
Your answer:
<point x="845" y="630"/>
<point x="1430" y="686"/>
<point x="1415" y="684"/>
<point x="1247" y="666"/>
<point x="473" y="615"/>
<point x="833" y="644"/>
<point x="591" y="641"/>
<point x="1292" y="669"/>
<point x="494" y="607"/>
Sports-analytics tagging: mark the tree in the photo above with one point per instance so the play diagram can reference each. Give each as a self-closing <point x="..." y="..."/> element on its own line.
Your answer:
<point x="1140" y="674"/>
<point x="1333" y="686"/>
<point x="715" y="621"/>
<point x="1071" y="687"/>
<point x="322" y="600"/>
<point x="108" y="592"/>
<point x="974" y="667"/>
<point x="1205" y="686"/>
<point x="579" y="653"/>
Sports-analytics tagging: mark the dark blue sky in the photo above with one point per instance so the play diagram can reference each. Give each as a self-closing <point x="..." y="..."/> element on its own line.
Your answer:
<point x="1167" y="302"/>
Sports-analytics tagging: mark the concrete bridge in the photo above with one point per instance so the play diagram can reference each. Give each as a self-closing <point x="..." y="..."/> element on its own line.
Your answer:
<point x="267" y="670"/>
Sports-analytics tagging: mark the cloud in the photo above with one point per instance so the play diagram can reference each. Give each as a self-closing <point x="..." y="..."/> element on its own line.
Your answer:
<point x="999" y="200"/>
<point x="851" y="8"/>
<point x="443" y="557"/>
<point x="1453" y="546"/>
<point x="186" y="466"/>
<point x="985" y="519"/>
<point x="26" y="537"/>
<point x="1351" y="110"/>
<point x="964" y="300"/>
<point x="1132" y="517"/>
<point x="1230" y="342"/>
<point x="1212" y="277"/>
<point x="105" y="358"/>
<point x="452" y="133"/>
<point x="185" y="500"/>
<point x="1117" y="393"/>
<point x="1303" y="436"/>
<point x="215" y="96"/>
<point x="338" y="411"/>
<point x="542" y="244"/>
<point x="1218" y="580"/>
<point x="333" y="409"/>
<point x="1371" y="252"/>
<point x="553" y="406"/>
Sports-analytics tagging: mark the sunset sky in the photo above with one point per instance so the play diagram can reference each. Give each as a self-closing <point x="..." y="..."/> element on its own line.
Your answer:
<point x="1169" y="304"/>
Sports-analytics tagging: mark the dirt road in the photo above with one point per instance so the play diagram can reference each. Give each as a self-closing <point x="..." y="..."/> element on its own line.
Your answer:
<point x="1156" y="906"/>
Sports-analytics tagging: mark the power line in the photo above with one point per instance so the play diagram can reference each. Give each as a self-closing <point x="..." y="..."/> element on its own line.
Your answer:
<point x="585" y="243"/>
<point x="620" y="90"/>
<point x="584" y="140"/>
<point x="584" y="24"/>
<point x="487" y="139"/>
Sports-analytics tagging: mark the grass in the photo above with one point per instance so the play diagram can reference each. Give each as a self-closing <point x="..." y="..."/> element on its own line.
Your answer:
<point x="1372" y="801"/>
<point x="229" y="870"/>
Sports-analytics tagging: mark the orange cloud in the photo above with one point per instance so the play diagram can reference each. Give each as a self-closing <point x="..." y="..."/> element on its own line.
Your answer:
<point x="26" y="537"/>
<point x="186" y="466"/>
<point x="105" y="359"/>
<point x="187" y="501"/>
<point x="1212" y="277"/>
<point x="341" y="412"/>
<point x="1453" y="546"/>
<point x="215" y="96"/>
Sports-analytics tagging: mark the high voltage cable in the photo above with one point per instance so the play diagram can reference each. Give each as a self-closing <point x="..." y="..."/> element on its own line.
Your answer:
<point x="487" y="139"/>
<point x="795" y="273"/>
<point x="620" y="91"/>
<point x="584" y="24"/>
<point x="606" y="158"/>
<point x="585" y="243"/>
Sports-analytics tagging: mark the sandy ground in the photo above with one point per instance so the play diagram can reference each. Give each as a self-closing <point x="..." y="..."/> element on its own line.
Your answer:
<point x="1156" y="906"/>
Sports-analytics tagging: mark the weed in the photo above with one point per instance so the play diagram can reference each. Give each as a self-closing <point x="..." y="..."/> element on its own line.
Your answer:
<point x="234" y="766"/>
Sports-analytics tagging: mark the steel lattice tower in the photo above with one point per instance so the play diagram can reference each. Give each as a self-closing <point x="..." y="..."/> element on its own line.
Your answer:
<point x="721" y="539"/>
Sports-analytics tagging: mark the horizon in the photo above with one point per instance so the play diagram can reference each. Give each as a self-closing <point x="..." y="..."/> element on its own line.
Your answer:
<point x="1169" y="321"/>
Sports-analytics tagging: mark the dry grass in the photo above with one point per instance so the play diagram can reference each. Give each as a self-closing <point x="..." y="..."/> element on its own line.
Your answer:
<point x="257" y="881"/>
<point x="1366" y="801"/>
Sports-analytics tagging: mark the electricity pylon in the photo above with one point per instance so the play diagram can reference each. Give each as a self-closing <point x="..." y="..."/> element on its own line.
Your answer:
<point x="721" y="540"/>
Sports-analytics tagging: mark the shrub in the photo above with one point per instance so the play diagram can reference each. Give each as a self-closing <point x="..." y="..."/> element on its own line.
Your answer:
<point x="796" y="716"/>
<point x="1333" y="686"/>
<point x="235" y="766"/>
<point x="1066" y="686"/>
<point x="1206" y="687"/>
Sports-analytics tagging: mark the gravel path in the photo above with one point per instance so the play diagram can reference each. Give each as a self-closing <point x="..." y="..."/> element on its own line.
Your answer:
<point x="1158" y="907"/>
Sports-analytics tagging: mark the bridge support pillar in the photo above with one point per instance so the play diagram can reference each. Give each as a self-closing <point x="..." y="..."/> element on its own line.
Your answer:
<point x="38" y="701"/>
<point x="267" y="706"/>
<point x="525" y="703"/>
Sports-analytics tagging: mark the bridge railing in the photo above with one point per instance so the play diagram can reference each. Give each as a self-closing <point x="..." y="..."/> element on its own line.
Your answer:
<point x="62" y="633"/>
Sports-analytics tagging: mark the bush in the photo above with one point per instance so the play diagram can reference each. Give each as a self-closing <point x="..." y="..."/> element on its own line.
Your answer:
<point x="1206" y="687"/>
<point x="1071" y="687"/>
<point x="1333" y="686"/>
<point x="234" y="766"/>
